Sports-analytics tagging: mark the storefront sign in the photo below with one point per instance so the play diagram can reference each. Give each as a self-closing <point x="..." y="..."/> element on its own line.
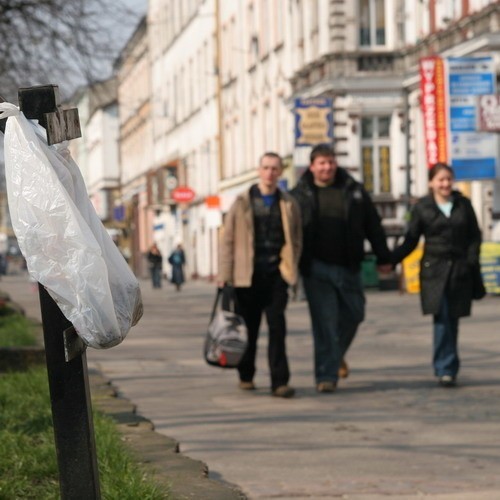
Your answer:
<point x="473" y="154"/>
<point x="313" y="121"/>
<point x="490" y="266"/>
<point x="489" y="113"/>
<point x="183" y="194"/>
<point x="212" y="202"/>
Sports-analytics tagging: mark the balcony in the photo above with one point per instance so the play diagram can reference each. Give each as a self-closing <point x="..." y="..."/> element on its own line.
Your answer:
<point x="375" y="62"/>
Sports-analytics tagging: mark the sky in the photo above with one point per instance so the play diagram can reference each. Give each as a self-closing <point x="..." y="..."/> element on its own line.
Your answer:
<point x="121" y="34"/>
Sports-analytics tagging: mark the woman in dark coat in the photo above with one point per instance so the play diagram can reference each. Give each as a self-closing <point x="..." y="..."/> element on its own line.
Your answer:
<point x="449" y="265"/>
<point x="177" y="260"/>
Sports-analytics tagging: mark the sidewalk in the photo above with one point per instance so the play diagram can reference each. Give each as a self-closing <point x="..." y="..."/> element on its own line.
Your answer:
<point x="388" y="431"/>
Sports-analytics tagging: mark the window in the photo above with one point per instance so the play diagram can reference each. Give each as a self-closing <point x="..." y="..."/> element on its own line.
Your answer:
<point x="371" y="22"/>
<point x="376" y="154"/>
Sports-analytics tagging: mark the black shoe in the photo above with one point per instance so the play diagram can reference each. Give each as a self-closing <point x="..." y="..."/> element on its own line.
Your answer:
<point x="447" y="381"/>
<point x="284" y="391"/>
<point x="327" y="386"/>
<point x="246" y="386"/>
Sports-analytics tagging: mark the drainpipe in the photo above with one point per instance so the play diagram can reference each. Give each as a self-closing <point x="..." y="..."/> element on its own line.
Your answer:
<point x="218" y="91"/>
<point x="406" y="95"/>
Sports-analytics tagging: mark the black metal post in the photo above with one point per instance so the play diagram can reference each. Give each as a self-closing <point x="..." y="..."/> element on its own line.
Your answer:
<point x="64" y="351"/>
<point x="71" y="408"/>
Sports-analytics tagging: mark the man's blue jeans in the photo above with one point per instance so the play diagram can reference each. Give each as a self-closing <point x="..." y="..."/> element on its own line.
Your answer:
<point x="445" y="358"/>
<point x="337" y="307"/>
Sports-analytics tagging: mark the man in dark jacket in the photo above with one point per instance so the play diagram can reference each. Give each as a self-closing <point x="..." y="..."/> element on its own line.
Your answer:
<point x="337" y="216"/>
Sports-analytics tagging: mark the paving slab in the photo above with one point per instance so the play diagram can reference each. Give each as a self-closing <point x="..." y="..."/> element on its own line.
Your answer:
<point x="389" y="431"/>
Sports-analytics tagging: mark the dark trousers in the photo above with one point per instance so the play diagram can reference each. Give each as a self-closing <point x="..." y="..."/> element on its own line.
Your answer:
<point x="268" y="294"/>
<point x="156" y="276"/>
<point x="337" y="307"/>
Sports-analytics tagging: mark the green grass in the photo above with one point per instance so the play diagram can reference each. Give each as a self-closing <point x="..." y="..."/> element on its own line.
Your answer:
<point x="16" y="330"/>
<point x="28" y="466"/>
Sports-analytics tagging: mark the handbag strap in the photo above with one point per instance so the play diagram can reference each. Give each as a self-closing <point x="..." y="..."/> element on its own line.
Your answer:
<point x="216" y="302"/>
<point x="229" y="299"/>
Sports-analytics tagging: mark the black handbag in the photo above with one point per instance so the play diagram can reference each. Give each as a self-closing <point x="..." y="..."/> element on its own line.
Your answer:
<point x="478" y="289"/>
<point x="226" y="339"/>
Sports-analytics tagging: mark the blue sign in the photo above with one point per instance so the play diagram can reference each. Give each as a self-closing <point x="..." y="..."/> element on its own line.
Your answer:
<point x="473" y="154"/>
<point x="313" y="121"/>
<point x="119" y="213"/>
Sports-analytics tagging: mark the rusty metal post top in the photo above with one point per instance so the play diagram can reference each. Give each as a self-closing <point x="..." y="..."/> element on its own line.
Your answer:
<point x="42" y="103"/>
<point x="34" y="102"/>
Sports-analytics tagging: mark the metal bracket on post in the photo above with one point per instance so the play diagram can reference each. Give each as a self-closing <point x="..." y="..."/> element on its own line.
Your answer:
<point x="73" y="344"/>
<point x="4" y="120"/>
<point x="64" y="350"/>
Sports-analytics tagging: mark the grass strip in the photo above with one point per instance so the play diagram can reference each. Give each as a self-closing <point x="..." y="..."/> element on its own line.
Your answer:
<point x="16" y="330"/>
<point x="28" y="464"/>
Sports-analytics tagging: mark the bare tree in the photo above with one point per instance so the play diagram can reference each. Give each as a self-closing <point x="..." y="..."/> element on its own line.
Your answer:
<point x="66" y="42"/>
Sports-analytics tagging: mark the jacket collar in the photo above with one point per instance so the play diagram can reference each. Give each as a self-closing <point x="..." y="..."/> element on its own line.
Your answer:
<point x="254" y="192"/>
<point x="456" y="197"/>
<point x="307" y="178"/>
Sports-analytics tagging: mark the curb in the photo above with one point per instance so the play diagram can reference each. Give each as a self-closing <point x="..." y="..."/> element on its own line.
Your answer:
<point x="20" y="358"/>
<point x="183" y="477"/>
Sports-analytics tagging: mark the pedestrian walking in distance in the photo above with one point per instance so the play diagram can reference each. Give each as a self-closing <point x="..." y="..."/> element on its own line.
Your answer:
<point x="449" y="270"/>
<point x="155" y="260"/>
<point x="177" y="259"/>
<point x="337" y="216"/>
<point x="259" y="255"/>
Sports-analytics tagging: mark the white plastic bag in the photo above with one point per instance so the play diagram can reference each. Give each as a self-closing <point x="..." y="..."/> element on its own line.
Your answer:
<point x="66" y="247"/>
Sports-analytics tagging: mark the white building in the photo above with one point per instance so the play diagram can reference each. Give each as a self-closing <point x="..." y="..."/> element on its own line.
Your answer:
<point x="218" y="80"/>
<point x="366" y="58"/>
<point x="133" y="72"/>
<point x="103" y="181"/>
<point x="96" y="152"/>
<point x="255" y="62"/>
<point x="185" y="128"/>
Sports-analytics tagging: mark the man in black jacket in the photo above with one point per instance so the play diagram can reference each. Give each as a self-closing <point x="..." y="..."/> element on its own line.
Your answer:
<point x="337" y="216"/>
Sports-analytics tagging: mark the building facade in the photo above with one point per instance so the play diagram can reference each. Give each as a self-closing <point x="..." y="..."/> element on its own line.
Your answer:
<point x="365" y="55"/>
<point x="135" y="147"/>
<point x="206" y="86"/>
<point x="96" y="152"/>
<point x="185" y="128"/>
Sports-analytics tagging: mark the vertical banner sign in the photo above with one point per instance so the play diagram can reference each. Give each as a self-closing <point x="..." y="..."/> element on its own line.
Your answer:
<point x="313" y="121"/>
<point x="473" y="154"/>
<point x="432" y="86"/>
